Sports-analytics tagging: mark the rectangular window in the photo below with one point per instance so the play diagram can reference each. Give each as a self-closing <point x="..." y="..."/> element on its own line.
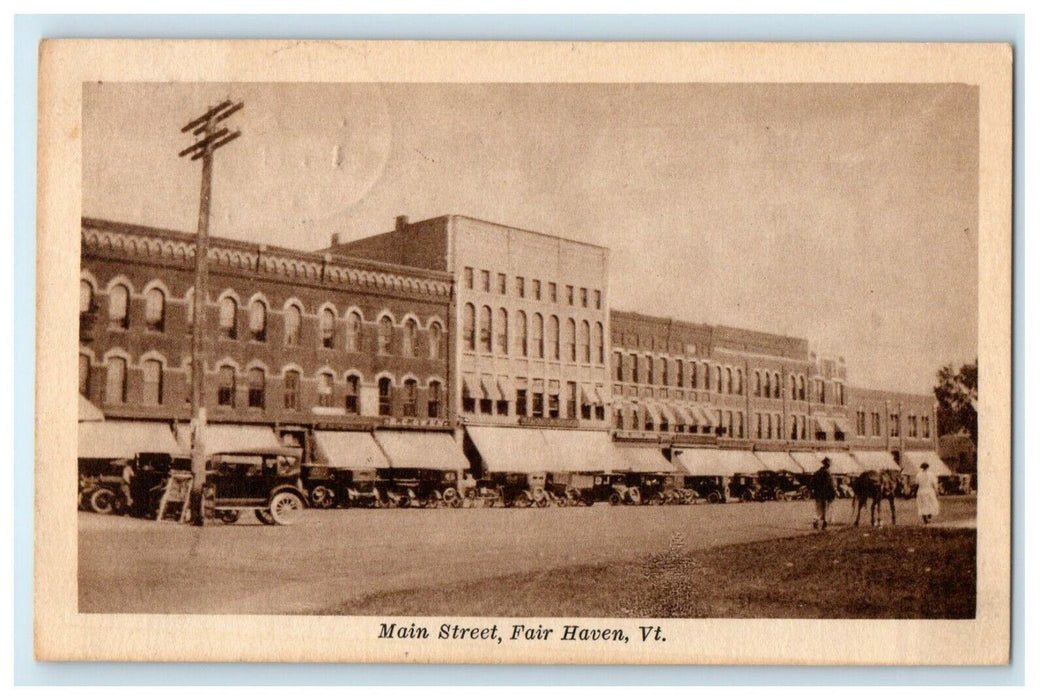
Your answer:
<point x="597" y="298"/>
<point x="521" y="287"/>
<point x="152" y="383"/>
<point x="913" y="429"/>
<point x="468" y="404"/>
<point x="926" y="426"/>
<point x="291" y="390"/>
<point x="553" y="405"/>
<point x="501" y="407"/>
<point x="619" y="373"/>
<point x="385" y="397"/>
<point x="571" y="407"/>
<point x="486" y="406"/>
<point x="468" y="278"/>
<point x="484" y="278"/>
<point x="633" y="361"/>
<point x="352" y="395"/>
<point x="877" y="428"/>
<point x="501" y="283"/>
<point x="521" y="402"/>
<point x="538" y="404"/>
<point x="537" y="289"/>
<point x="552" y="292"/>
<point x="601" y="412"/>
<point x="116" y="380"/>
<point x="570" y="295"/>
<point x="325" y="390"/>
<point x="586" y="411"/>
<point x="584" y="297"/>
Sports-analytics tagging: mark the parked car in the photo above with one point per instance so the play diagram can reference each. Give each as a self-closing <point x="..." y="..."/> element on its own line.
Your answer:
<point x="711" y="488"/>
<point x="267" y="482"/>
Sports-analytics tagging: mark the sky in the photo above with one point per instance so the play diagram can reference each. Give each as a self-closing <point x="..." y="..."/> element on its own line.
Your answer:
<point x="841" y="213"/>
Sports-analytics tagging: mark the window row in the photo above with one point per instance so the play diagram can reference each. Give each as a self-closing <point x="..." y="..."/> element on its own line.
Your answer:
<point x="536" y="398"/>
<point x="870" y="424"/>
<point x="573" y="343"/>
<point x="330" y="394"/>
<point x="332" y="332"/>
<point x="538" y="289"/>
<point x="678" y="373"/>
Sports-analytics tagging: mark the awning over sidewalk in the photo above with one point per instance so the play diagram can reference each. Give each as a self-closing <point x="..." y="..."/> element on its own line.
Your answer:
<point x="842" y="463"/>
<point x="910" y="461"/>
<point x="349" y="450"/>
<point x="878" y="460"/>
<point x="646" y="459"/>
<point x="224" y="437"/>
<point x="406" y="449"/>
<point x="809" y="461"/>
<point x="512" y="449"/>
<point x="581" y="450"/>
<point x="841" y="425"/>
<point x="823" y="424"/>
<point x="717" y="462"/>
<point x="116" y="439"/>
<point x="778" y="461"/>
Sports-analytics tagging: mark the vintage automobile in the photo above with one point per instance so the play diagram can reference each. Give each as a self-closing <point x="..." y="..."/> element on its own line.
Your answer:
<point x="102" y="486"/>
<point x="779" y="486"/>
<point x="743" y="487"/>
<point x="330" y="487"/>
<point x="711" y="488"/>
<point x="265" y="481"/>
<point x="514" y="490"/>
<point x="403" y="488"/>
<point x="954" y="485"/>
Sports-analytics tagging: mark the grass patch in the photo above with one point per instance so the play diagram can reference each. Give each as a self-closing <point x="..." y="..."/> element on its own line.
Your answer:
<point x="898" y="572"/>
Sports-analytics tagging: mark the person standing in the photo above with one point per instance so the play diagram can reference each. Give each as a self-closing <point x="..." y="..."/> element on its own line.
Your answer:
<point x="822" y="488"/>
<point x="926" y="494"/>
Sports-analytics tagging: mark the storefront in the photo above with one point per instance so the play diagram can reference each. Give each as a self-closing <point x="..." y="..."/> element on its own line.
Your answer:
<point x="344" y="449"/>
<point x="912" y="459"/>
<point x="779" y="462"/>
<point x="118" y="439"/>
<point x="417" y="449"/>
<point x="876" y="460"/>
<point x="227" y="437"/>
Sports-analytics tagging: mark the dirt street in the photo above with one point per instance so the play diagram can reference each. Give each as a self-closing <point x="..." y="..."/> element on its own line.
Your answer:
<point x="330" y="557"/>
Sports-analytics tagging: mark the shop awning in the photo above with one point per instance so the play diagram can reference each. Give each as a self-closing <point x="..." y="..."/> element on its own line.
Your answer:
<point x="841" y="425"/>
<point x="88" y="411"/>
<point x="513" y="449"/>
<point x="703" y="462"/>
<point x="349" y="450"/>
<point x="823" y="424"/>
<point x="842" y="463"/>
<point x="489" y="387"/>
<point x="587" y="393"/>
<point x="675" y="416"/>
<point x="910" y="461"/>
<point x="406" y="449"/>
<point x="879" y="461"/>
<point x="581" y="450"/>
<point x="655" y="412"/>
<point x="690" y="415"/>
<point x="809" y="461"/>
<point x="472" y="386"/>
<point x="778" y="461"/>
<point x="705" y="416"/>
<point x="636" y="458"/>
<point x="117" y="439"/>
<point x="221" y="437"/>
<point x="506" y="389"/>
<point x="600" y="397"/>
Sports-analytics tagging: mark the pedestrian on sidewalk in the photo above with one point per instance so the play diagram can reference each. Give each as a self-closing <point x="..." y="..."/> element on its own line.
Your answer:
<point x="926" y="494"/>
<point x="822" y="488"/>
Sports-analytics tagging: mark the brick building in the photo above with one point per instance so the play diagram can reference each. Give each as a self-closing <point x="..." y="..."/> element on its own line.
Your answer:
<point x="297" y="344"/>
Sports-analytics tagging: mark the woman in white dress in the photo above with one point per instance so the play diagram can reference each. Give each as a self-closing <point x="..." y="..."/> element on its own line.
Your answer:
<point x="926" y="496"/>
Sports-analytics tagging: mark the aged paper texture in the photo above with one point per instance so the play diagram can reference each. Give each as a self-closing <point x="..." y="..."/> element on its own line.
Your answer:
<point x="492" y="329"/>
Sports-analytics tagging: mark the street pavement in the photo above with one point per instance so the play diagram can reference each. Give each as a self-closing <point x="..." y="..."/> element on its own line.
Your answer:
<point x="335" y="556"/>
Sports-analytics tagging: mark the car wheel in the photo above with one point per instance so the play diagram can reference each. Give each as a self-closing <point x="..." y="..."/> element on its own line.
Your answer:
<point x="264" y="516"/>
<point x="228" y="516"/>
<point x="715" y="497"/>
<point x="103" y="501"/>
<point x="321" y="497"/>
<point x="286" y="508"/>
<point x="614" y="499"/>
<point x="522" y="500"/>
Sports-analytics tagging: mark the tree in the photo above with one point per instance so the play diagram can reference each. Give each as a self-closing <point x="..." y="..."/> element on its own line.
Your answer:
<point x="957" y="400"/>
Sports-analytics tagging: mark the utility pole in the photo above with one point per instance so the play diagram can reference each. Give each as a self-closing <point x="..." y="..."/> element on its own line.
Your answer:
<point x="211" y="139"/>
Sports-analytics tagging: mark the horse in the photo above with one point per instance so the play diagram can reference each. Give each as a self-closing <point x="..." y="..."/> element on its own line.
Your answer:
<point x="874" y="486"/>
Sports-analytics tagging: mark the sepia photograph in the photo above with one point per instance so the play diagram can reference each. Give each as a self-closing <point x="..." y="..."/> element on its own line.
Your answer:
<point x="535" y="361"/>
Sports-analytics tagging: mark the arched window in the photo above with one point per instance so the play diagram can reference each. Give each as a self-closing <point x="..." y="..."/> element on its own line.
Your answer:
<point x="586" y="343"/>
<point x="791" y="382"/>
<point x="434" y="399"/>
<point x="292" y="390"/>
<point x="326" y="328"/>
<point x="435" y="340"/>
<point x="154" y="309"/>
<point x="777" y="385"/>
<point x="152" y="383"/>
<point x="85" y="374"/>
<point x="292" y="325"/>
<point x="410" y="338"/>
<point x="325" y="390"/>
<point x="352" y="394"/>
<point x="256" y="388"/>
<point x="384" y="396"/>
<point x="468" y="327"/>
<point x="521" y="334"/>
<point x="116" y="380"/>
<point x="227" y="386"/>
<point x="258" y="320"/>
<point x="485" y="322"/>
<point x="227" y="317"/>
<point x="86" y="296"/>
<point x="571" y="340"/>
<point x="553" y="335"/>
<point x="353" y="328"/>
<point x="679" y="373"/>
<point x="119" y="297"/>
<point x="385" y="335"/>
<point x="766" y="384"/>
<point x="802" y="388"/>
<point x="501" y="332"/>
<point x="600" y="355"/>
<point x="410" y="399"/>
<point x="537" y="328"/>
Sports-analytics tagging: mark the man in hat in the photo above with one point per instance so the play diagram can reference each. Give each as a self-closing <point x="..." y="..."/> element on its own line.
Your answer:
<point x="822" y="488"/>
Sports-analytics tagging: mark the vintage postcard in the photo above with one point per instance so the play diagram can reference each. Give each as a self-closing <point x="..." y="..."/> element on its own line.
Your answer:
<point x="524" y="352"/>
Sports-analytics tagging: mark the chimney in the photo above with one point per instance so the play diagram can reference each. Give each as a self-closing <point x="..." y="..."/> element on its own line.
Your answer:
<point x="334" y="239"/>
<point x="401" y="223"/>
